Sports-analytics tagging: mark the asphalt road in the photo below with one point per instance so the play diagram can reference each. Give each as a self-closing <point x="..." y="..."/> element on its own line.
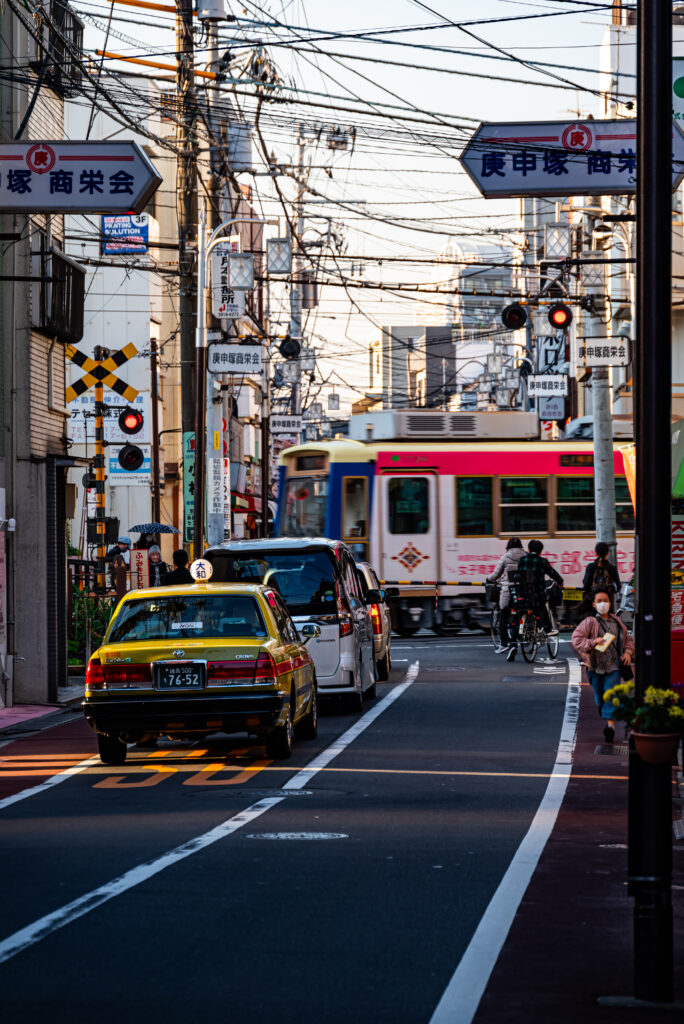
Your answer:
<point x="207" y="882"/>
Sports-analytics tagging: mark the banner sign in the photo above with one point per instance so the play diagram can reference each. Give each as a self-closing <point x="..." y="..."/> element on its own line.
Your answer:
<point x="76" y="177"/>
<point x="227" y="358"/>
<point x="120" y="477"/>
<point x="559" y="158"/>
<point x="81" y="423"/>
<point x="541" y="385"/>
<point x="291" y="425"/>
<point x="127" y="232"/>
<point x="139" y="569"/>
<point x="226" y="302"/>
<point x="603" y="351"/>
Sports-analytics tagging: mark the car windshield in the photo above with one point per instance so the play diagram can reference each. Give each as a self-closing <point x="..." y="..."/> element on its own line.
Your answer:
<point x="304" y="579"/>
<point x="214" y="616"/>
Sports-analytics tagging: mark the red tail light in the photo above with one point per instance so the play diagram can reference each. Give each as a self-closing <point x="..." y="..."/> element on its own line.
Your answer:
<point x="265" y="670"/>
<point x="376" y="619"/>
<point x="127" y="675"/>
<point x="235" y="671"/>
<point x="94" y="677"/>
<point x="346" y="626"/>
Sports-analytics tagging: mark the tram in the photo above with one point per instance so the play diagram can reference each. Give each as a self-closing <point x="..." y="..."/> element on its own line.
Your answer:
<point x="433" y="516"/>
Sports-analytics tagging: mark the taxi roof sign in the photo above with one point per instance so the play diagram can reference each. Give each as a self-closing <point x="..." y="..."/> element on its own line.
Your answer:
<point x="201" y="570"/>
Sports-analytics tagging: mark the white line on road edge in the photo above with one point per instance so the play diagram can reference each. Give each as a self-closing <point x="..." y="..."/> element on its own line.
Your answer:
<point x="54" y="780"/>
<point x="45" y="926"/>
<point x="462" y="995"/>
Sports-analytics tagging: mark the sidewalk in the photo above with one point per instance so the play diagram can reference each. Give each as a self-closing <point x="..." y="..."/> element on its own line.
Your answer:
<point x="19" y="713"/>
<point x="571" y="940"/>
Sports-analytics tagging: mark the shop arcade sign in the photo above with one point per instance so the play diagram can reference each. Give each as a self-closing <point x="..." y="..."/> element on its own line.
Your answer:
<point x="76" y="177"/>
<point x="559" y="158"/>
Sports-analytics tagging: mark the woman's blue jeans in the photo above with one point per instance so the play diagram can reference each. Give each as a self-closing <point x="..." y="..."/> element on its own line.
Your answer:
<point x="600" y="682"/>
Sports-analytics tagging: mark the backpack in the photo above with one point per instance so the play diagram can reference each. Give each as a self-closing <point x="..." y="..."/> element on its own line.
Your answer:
<point x="602" y="580"/>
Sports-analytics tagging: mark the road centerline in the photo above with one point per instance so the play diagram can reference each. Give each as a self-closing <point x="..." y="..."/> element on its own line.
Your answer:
<point x="46" y="925"/>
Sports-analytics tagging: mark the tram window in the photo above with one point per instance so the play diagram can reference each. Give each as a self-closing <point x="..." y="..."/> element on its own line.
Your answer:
<point x="524" y="504"/>
<point x="408" y="509"/>
<point x="354" y="506"/>
<point x="474" y="506"/>
<point x="624" y="510"/>
<point x="306" y="500"/>
<point x="575" y="509"/>
<point x="306" y="463"/>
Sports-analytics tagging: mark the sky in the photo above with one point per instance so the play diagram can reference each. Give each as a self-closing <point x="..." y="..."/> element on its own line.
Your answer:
<point x="397" y="190"/>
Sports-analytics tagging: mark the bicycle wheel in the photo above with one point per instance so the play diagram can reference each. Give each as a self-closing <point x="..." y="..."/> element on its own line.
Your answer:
<point x="553" y="642"/>
<point x="528" y="637"/>
<point x="494" y="625"/>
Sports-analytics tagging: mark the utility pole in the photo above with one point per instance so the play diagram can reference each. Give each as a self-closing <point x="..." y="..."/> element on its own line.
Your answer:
<point x="186" y="200"/>
<point x="297" y="268"/>
<point x="154" y="401"/>
<point x="604" y="464"/>
<point x="210" y="14"/>
<point x="650" y="786"/>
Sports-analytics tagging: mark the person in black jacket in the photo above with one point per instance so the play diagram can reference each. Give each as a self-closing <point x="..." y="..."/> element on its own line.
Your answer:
<point x="530" y="583"/>
<point x="601" y="574"/>
<point x="180" y="574"/>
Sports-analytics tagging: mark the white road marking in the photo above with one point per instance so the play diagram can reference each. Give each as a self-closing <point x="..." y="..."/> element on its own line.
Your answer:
<point x="462" y="995"/>
<point x="297" y="835"/>
<point x="54" y="780"/>
<point x="44" y="926"/>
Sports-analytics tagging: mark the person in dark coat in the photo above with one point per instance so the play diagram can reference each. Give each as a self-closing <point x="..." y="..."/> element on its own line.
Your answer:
<point x="601" y="574"/>
<point x="180" y="574"/>
<point x="158" y="570"/>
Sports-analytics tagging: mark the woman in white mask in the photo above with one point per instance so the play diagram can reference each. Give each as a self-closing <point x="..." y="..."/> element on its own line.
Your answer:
<point x="606" y="649"/>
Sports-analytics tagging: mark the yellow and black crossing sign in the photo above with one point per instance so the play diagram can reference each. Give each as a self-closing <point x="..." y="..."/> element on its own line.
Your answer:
<point x="101" y="371"/>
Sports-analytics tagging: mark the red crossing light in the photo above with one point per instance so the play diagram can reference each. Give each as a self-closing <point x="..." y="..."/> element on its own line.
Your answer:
<point x="514" y="317"/>
<point x="130" y="421"/>
<point x="560" y="316"/>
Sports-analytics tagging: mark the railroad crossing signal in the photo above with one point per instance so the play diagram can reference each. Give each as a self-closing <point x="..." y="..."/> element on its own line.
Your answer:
<point x="101" y="371"/>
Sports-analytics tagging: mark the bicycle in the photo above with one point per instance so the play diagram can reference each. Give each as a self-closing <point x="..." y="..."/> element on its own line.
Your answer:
<point x="492" y="593"/>
<point x="532" y="635"/>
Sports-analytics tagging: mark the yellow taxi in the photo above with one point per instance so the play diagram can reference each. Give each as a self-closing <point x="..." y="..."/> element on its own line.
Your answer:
<point x="187" y="661"/>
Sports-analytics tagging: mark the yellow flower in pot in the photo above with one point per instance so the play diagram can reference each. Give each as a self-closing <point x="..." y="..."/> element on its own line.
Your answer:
<point x="656" y="722"/>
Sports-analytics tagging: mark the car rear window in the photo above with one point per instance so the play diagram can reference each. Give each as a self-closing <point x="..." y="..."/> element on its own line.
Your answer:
<point x="215" y="616"/>
<point x="304" y="579"/>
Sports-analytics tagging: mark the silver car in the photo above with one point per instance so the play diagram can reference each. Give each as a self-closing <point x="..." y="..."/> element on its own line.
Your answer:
<point x="380" y="618"/>
<point x="318" y="581"/>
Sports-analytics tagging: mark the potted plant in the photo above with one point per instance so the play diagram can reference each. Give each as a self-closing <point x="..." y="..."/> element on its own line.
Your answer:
<point x="656" y="722"/>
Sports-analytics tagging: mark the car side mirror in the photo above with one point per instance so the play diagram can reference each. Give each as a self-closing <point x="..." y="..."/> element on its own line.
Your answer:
<point x="310" y="631"/>
<point x="374" y="597"/>
<point x="391" y="592"/>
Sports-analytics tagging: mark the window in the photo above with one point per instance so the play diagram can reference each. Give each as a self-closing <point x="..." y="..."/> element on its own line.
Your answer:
<point x="524" y="504"/>
<point x="624" y="511"/>
<point x="184" y="618"/>
<point x="306" y="501"/>
<point x="57" y="56"/>
<point x="58" y="291"/>
<point x="304" y="579"/>
<point x="474" y="506"/>
<point x="408" y="510"/>
<point x="354" y="506"/>
<point x="575" y="510"/>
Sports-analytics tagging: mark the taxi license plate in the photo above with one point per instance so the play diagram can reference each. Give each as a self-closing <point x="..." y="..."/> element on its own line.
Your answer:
<point x="180" y="677"/>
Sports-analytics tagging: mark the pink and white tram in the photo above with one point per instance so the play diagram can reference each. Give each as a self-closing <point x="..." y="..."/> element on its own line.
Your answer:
<point x="433" y="516"/>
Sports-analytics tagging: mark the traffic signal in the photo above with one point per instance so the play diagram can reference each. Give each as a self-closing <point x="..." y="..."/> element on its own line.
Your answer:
<point x="131" y="458"/>
<point x="289" y="348"/>
<point x="560" y="316"/>
<point x="514" y="317"/>
<point x="130" y="421"/>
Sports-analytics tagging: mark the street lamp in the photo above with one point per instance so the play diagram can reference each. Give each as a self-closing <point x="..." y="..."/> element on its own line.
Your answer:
<point x="204" y="250"/>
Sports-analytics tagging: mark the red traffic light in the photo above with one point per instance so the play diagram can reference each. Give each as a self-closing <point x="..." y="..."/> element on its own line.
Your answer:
<point x="130" y="421"/>
<point x="560" y="315"/>
<point x="131" y="458"/>
<point x="514" y="317"/>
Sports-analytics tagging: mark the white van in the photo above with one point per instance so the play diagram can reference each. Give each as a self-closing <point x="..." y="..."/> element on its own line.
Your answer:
<point x="319" y="582"/>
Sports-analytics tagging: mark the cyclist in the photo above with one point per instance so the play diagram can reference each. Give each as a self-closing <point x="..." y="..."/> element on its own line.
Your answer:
<point x="530" y="583"/>
<point x="507" y="563"/>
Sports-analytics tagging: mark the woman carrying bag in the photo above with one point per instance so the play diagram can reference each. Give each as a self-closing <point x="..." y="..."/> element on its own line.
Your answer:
<point x="606" y="648"/>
